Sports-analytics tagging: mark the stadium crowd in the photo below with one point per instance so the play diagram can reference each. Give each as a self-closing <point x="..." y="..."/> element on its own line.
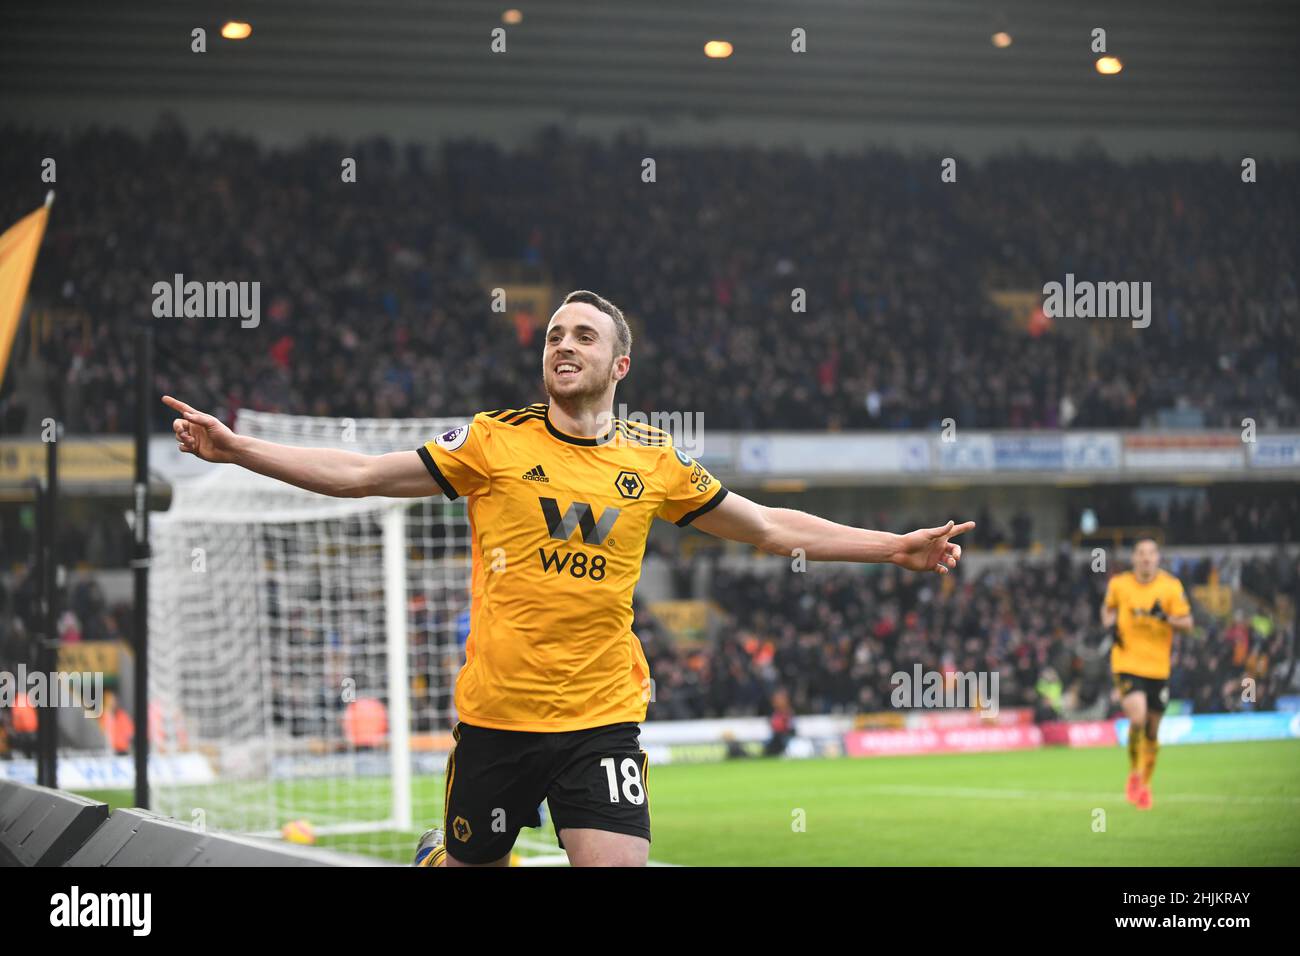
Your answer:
<point x="830" y="641"/>
<point x="373" y="304"/>
<point x="1237" y="513"/>
<point x="833" y="640"/>
<point x="1215" y="514"/>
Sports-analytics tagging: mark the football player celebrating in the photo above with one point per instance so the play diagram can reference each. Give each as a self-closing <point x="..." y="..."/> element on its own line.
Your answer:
<point x="561" y="498"/>
<point x="1144" y="607"/>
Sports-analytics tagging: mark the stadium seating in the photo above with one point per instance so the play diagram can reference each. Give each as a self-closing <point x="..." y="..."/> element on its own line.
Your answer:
<point x="44" y="827"/>
<point x="141" y="838"/>
<point x="370" y="301"/>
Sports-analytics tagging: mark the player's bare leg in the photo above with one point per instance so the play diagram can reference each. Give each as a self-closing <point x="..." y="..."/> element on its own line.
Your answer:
<point x="603" y="848"/>
<point x="1134" y="705"/>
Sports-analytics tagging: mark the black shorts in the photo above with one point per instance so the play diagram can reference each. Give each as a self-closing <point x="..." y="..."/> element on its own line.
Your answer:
<point x="1157" y="690"/>
<point x="497" y="779"/>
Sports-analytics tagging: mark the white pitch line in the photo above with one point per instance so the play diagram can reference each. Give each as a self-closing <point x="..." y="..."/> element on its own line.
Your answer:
<point x="989" y="793"/>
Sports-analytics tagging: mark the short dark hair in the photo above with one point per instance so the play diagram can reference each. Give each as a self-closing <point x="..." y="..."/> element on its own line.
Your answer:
<point x="621" y="329"/>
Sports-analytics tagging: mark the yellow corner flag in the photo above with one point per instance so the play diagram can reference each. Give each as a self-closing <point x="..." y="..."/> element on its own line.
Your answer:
<point x="18" y="247"/>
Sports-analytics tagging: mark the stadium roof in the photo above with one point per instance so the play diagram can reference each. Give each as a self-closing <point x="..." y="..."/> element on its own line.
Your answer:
<point x="1187" y="63"/>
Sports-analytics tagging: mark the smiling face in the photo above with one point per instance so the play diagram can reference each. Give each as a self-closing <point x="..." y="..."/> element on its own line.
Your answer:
<point x="578" y="361"/>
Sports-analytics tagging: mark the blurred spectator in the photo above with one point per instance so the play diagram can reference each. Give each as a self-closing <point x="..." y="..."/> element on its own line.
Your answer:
<point x="781" y="723"/>
<point x="1048" y="690"/>
<point x="374" y="302"/>
<point x="830" y="643"/>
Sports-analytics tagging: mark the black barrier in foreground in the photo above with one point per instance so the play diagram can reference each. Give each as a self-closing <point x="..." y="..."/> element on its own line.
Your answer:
<point x="44" y="827"/>
<point x="141" y="838"/>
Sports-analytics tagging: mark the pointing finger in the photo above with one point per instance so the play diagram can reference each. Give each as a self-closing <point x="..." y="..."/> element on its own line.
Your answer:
<point x="177" y="405"/>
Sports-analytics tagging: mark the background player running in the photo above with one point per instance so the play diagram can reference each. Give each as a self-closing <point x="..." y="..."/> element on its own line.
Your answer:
<point x="1144" y="606"/>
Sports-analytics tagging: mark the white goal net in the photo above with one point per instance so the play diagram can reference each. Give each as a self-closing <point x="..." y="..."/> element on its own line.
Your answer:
<point x="306" y="646"/>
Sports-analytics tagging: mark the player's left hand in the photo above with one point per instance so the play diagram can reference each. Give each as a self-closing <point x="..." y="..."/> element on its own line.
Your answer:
<point x="929" y="549"/>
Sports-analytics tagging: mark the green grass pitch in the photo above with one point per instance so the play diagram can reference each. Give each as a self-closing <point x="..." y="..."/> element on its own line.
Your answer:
<point x="1230" y="804"/>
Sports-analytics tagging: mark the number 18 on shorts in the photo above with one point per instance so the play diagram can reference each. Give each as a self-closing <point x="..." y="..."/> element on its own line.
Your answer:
<point x="497" y="779"/>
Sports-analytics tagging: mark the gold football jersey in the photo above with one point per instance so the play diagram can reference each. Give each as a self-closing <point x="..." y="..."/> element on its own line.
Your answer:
<point x="558" y="528"/>
<point x="1148" y="640"/>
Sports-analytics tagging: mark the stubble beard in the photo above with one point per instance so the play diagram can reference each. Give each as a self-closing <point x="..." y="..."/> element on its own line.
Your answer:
<point x="582" y="397"/>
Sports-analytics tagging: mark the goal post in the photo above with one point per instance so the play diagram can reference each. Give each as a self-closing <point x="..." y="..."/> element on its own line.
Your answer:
<point x="395" y="633"/>
<point x="305" y="646"/>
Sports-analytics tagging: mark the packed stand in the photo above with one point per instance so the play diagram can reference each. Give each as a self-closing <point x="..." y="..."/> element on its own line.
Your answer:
<point x="372" y="305"/>
<point x="833" y="640"/>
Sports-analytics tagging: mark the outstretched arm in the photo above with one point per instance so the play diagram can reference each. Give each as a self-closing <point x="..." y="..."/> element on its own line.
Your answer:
<point x="782" y="530"/>
<point x="327" y="471"/>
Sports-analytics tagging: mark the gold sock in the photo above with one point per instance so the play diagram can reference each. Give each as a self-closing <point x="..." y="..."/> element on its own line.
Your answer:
<point x="1135" y="737"/>
<point x="1151" y="749"/>
<point x="436" y="857"/>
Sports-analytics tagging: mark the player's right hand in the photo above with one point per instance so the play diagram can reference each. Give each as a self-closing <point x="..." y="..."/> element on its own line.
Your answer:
<point x="201" y="435"/>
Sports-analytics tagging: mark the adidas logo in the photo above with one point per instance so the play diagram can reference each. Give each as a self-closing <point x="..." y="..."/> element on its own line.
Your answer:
<point x="536" y="474"/>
